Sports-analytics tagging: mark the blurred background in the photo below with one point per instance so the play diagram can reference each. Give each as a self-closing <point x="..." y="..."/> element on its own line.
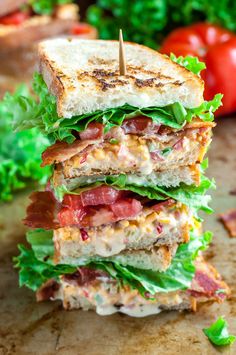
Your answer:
<point x="205" y="29"/>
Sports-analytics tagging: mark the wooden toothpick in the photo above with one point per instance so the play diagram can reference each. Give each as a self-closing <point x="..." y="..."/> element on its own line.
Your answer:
<point x="122" y="62"/>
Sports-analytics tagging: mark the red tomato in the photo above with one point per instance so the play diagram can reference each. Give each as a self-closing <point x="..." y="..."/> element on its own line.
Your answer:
<point x="80" y="29"/>
<point x="16" y="18"/>
<point x="84" y="30"/>
<point x="217" y="48"/>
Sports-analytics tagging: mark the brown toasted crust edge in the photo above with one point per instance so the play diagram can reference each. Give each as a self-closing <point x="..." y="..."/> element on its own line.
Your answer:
<point x="52" y="77"/>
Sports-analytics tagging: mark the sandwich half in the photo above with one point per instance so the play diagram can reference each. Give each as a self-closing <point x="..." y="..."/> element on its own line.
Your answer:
<point x="24" y="22"/>
<point x="117" y="227"/>
<point x="108" y="286"/>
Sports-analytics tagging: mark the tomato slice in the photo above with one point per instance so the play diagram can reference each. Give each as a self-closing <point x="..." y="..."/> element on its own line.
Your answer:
<point x="102" y="195"/>
<point x="81" y="29"/>
<point x="14" y="19"/>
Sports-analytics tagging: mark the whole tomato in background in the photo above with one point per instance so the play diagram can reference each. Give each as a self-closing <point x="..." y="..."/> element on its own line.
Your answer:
<point x="217" y="48"/>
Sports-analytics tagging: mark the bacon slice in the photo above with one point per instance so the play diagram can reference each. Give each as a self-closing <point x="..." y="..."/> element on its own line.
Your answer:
<point x="136" y="125"/>
<point x="102" y="195"/>
<point x="197" y="123"/>
<point x="47" y="290"/>
<point x="61" y="151"/>
<point x="84" y="275"/>
<point x="229" y="220"/>
<point x="126" y="208"/>
<point x="93" y="131"/>
<point x="42" y="212"/>
<point x="159" y="206"/>
<point x="207" y="282"/>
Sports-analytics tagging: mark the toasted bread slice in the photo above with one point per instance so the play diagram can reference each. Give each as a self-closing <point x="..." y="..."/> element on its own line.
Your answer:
<point x="73" y="69"/>
<point x="156" y="259"/>
<point x="170" y="177"/>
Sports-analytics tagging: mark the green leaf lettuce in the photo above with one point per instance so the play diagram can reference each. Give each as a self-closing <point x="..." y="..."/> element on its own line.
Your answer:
<point x="36" y="265"/>
<point x="43" y="115"/>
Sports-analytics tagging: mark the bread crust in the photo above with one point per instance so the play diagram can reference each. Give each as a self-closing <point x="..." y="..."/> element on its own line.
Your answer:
<point x="152" y="79"/>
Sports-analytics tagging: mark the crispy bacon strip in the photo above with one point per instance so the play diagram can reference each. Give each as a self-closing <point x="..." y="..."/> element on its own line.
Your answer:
<point x="61" y="151"/>
<point x="159" y="206"/>
<point x="208" y="283"/>
<point x="197" y="123"/>
<point x="42" y="212"/>
<point x="229" y="221"/>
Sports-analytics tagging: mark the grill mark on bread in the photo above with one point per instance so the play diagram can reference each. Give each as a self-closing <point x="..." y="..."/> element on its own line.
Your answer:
<point x="100" y="61"/>
<point x="110" y="79"/>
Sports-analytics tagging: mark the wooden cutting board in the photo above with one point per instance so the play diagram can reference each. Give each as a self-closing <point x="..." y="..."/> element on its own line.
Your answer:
<point x="30" y="328"/>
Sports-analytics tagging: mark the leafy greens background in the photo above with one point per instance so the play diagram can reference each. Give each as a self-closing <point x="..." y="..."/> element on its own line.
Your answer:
<point x="20" y="153"/>
<point x="149" y="21"/>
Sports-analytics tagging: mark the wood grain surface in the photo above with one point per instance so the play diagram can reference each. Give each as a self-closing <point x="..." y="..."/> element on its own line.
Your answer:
<point x="30" y="328"/>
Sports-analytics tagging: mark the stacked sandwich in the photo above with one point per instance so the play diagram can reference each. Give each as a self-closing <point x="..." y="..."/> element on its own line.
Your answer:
<point x="117" y="228"/>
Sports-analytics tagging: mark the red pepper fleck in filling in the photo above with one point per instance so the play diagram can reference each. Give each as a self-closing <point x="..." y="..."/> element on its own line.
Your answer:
<point x="84" y="234"/>
<point x="159" y="228"/>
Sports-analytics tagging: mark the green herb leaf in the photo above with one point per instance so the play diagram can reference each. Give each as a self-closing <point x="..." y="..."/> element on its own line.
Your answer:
<point x="218" y="333"/>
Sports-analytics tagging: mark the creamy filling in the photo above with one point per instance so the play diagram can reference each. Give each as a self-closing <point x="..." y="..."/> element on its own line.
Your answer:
<point x="141" y="155"/>
<point x="150" y="228"/>
<point x="107" y="298"/>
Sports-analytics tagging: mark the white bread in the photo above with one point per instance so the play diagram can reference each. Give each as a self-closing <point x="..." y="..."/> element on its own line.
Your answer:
<point x="8" y="6"/>
<point x="84" y="77"/>
<point x="171" y="177"/>
<point x="156" y="259"/>
<point x="126" y="235"/>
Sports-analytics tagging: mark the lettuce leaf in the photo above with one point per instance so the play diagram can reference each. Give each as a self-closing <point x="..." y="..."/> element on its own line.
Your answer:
<point x="43" y="115"/>
<point x="190" y="195"/>
<point x="189" y="62"/>
<point x="218" y="333"/>
<point x="46" y="7"/>
<point x="36" y="265"/>
<point x="20" y="153"/>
